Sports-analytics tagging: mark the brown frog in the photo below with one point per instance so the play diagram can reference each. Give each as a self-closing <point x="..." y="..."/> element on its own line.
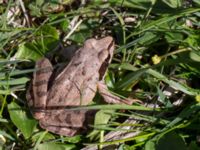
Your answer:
<point x="51" y="93"/>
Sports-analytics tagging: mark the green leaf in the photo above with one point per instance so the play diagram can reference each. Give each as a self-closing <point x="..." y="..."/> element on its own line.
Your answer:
<point x="100" y="122"/>
<point x="18" y="81"/>
<point x="148" y="38"/>
<point x="171" y="141"/>
<point x="5" y="62"/>
<point x="19" y="117"/>
<point x="46" y="136"/>
<point x="74" y="139"/>
<point x="137" y="73"/>
<point x="196" y="1"/>
<point x="102" y="117"/>
<point x="55" y="146"/>
<point x="40" y="2"/>
<point x="193" y="146"/>
<point x="195" y="56"/>
<point x="150" y="145"/>
<point x="193" y="39"/>
<point x="64" y="25"/>
<point x="6" y="36"/>
<point x="34" y="10"/>
<point x="173" y="3"/>
<point x="185" y="113"/>
<point x="28" y="51"/>
<point x="159" y="22"/>
<point x="46" y="39"/>
<point x="173" y="37"/>
<point x="84" y="32"/>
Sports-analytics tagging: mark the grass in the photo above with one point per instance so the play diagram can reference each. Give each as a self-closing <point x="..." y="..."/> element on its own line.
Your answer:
<point x="156" y="61"/>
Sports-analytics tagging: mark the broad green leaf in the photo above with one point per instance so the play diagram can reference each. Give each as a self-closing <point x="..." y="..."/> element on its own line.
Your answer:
<point x="28" y="51"/>
<point x="46" y="39"/>
<point x="102" y="117"/>
<point x="194" y="56"/>
<point x="84" y="31"/>
<point x="150" y="145"/>
<point x="173" y="37"/>
<point x="148" y="38"/>
<point x="19" y="117"/>
<point x="5" y="92"/>
<point x="80" y="37"/>
<point x="34" y="9"/>
<point x="64" y="25"/>
<point x="193" y="39"/>
<point x="39" y="2"/>
<point x="171" y="141"/>
<point x="55" y="146"/>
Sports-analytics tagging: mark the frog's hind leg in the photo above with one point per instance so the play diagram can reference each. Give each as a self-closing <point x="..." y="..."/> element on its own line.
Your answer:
<point x="67" y="122"/>
<point x="40" y="87"/>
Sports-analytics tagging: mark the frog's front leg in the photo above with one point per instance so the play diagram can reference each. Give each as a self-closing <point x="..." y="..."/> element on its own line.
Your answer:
<point x="111" y="98"/>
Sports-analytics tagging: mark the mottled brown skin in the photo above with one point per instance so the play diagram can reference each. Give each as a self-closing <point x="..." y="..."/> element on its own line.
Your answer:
<point x="75" y="85"/>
